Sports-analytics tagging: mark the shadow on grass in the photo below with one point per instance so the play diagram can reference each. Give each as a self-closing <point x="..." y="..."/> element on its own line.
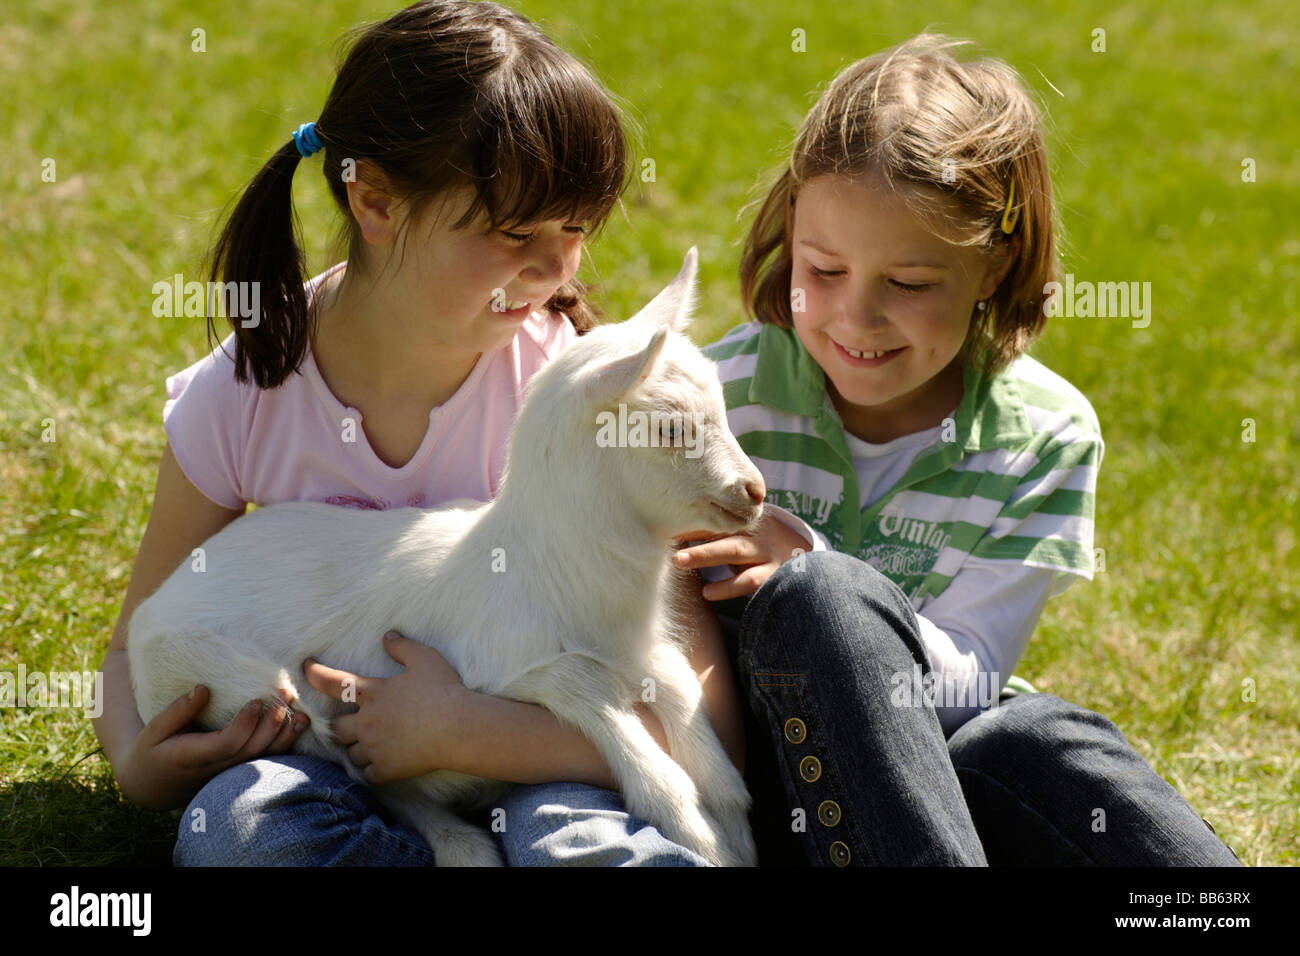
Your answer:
<point x="81" y="822"/>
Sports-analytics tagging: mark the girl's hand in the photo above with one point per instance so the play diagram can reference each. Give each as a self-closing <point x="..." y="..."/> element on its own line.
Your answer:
<point x="755" y="556"/>
<point x="168" y="764"/>
<point x="404" y="724"/>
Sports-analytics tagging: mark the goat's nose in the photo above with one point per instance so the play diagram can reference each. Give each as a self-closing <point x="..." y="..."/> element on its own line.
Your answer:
<point x="757" y="491"/>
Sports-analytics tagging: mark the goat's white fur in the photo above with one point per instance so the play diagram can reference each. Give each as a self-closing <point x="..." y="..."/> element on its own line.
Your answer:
<point x="581" y="616"/>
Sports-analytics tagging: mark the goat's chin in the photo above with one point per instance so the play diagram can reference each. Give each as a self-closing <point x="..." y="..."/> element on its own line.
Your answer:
<point x="696" y="530"/>
<point x="722" y="519"/>
<point x="708" y="520"/>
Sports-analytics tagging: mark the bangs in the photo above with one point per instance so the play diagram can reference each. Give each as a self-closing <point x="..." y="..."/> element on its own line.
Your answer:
<point x="549" y="146"/>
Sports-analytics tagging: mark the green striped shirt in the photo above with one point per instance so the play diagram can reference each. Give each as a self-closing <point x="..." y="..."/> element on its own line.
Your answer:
<point x="1013" y="482"/>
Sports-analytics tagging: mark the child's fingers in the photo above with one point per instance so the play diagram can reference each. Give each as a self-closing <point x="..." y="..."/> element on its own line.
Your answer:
<point x="736" y="549"/>
<point x="221" y="746"/>
<point x="177" y="715"/>
<point x="273" y="719"/>
<point x="250" y="731"/>
<point x="289" y="732"/>
<point x="343" y="729"/>
<point x="398" y="646"/>
<point x="742" y="585"/>
<point x="433" y="668"/>
<point x="360" y="756"/>
<point x="340" y="685"/>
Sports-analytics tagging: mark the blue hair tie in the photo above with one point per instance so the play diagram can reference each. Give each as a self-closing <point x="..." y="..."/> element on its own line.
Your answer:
<point x="305" y="138"/>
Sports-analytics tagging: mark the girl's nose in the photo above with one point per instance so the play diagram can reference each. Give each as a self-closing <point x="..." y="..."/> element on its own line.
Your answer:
<point x="555" y="260"/>
<point x="857" y="312"/>
<point x="866" y="312"/>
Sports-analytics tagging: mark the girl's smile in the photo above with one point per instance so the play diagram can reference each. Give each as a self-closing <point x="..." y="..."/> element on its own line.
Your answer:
<point x="869" y="358"/>
<point x="519" y="313"/>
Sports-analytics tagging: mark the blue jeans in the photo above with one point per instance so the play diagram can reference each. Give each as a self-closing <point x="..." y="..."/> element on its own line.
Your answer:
<point x="840" y="775"/>
<point x="292" y="810"/>
<point x="295" y="810"/>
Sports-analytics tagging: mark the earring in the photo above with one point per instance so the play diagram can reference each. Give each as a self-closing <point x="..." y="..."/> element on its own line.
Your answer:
<point x="980" y="306"/>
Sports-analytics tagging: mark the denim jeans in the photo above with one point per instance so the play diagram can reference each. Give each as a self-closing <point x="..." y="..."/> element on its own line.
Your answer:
<point x="292" y="810"/>
<point x="840" y="774"/>
<point x="295" y="810"/>
<point x="843" y="776"/>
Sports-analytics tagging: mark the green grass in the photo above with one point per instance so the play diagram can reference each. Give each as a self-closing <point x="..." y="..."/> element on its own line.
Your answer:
<point x="1199" y="593"/>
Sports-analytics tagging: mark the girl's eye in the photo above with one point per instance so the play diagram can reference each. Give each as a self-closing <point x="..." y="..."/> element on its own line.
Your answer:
<point x="904" y="287"/>
<point x="824" y="273"/>
<point x="522" y="237"/>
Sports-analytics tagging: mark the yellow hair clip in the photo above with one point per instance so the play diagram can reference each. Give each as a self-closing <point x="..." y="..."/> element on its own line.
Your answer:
<point x="1010" y="219"/>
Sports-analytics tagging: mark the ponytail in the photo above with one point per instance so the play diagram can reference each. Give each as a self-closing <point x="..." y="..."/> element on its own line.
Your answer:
<point x="260" y="244"/>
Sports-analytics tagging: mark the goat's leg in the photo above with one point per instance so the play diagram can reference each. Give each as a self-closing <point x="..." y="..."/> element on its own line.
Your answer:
<point x="583" y="693"/>
<point x="679" y="704"/>
<point x="455" y="842"/>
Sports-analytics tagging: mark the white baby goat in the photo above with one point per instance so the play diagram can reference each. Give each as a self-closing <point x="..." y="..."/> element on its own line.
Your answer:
<point x="580" y="620"/>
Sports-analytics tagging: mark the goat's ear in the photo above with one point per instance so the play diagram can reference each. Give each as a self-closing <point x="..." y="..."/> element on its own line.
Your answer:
<point x="671" y="308"/>
<point x="616" y="379"/>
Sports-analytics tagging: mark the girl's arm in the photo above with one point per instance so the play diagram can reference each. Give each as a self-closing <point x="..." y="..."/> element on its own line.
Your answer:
<point x="425" y="719"/>
<point x="158" y="765"/>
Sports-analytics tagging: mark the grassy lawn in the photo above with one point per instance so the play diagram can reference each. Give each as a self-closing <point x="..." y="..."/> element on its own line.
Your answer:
<point x="1187" y="641"/>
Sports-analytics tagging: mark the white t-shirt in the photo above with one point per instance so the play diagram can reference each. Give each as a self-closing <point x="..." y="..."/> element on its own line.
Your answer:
<point x="1001" y="598"/>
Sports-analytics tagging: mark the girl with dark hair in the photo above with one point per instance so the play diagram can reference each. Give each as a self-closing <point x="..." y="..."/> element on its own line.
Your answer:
<point x="469" y="157"/>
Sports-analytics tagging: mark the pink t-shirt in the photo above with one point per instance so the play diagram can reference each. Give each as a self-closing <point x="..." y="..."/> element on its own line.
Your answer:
<point x="238" y="443"/>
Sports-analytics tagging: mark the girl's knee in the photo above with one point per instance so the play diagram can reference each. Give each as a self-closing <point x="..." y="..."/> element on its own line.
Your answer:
<point x="247" y="815"/>
<point x="212" y="831"/>
<point x="829" y="608"/>
<point x="1032" y="729"/>
<point x="799" y="582"/>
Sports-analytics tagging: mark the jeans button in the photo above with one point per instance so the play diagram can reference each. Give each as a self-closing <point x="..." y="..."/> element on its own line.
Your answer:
<point x="829" y="813"/>
<point x="795" y="731"/>
<point x="810" y="768"/>
<point x="840" y="854"/>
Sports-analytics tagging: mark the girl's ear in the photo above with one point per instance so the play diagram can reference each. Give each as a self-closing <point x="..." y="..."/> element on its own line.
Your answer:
<point x="999" y="265"/>
<point x="373" y="207"/>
